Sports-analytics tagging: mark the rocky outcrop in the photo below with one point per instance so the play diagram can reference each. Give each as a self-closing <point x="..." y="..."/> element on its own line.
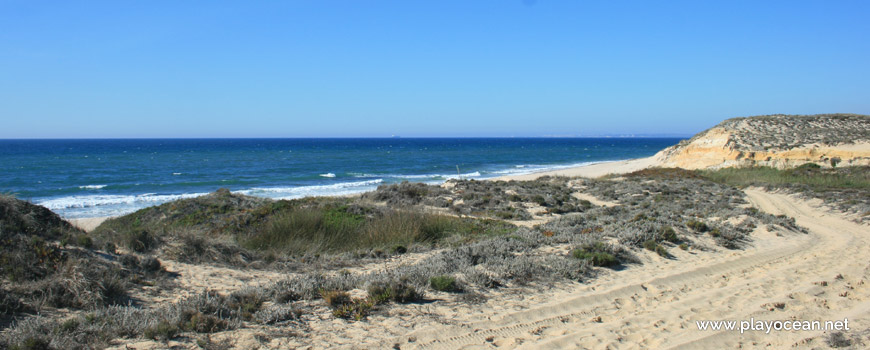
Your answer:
<point x="780" y="141"/>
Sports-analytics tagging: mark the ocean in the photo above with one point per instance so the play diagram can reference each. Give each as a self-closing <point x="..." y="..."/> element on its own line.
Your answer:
<point x="108" y="177"/>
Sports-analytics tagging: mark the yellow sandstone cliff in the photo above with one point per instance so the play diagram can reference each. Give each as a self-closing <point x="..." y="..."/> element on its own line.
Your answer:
<point x="780" y="141"/>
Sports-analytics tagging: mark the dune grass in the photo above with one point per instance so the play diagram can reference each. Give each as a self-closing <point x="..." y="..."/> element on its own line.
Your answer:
<point x="809" y="175"/>
<point x="331" y="230"/>
<point x="225" y="225"/>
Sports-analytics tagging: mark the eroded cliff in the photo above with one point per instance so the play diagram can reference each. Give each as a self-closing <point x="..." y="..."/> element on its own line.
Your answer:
<point x="780" y="141"/>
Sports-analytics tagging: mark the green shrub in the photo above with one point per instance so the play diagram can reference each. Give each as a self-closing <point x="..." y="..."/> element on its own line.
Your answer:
<point x="69" y="326"/>
<point x="715" y="233"/>
<point x="247" y="302"/>
<point x="163" y="330"/>
<point x="597" y="253"/>
<point x="32" y="343"/>
<point x="195" y="321"/>
<point x="443" y="283"/>
<point x="335" y="298"/>
<point x="669" y="235"/>
<point x="141" y="241"/>
<point x="654" y="246"/>
<point x="357" y="309"/>
<point x="539" y="200"/>
<point x="697" y="226"/>
<point x="84" y="241"/>
<point x="597" y="258"/>
<point x="396" y="291"/>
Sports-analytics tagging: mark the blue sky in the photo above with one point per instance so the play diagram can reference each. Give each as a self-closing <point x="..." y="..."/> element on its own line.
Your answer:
<point x="422" y="68"/>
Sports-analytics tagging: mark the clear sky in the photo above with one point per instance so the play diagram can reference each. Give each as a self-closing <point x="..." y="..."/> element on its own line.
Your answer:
<point x="422" y="68"/>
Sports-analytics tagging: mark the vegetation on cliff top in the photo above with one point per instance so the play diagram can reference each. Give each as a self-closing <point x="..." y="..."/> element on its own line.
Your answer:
<point x="846" y="189"/>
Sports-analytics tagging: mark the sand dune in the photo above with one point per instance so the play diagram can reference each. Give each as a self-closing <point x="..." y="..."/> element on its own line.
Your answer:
<point x="656" y="305"/>
<point x="817" y="276"/>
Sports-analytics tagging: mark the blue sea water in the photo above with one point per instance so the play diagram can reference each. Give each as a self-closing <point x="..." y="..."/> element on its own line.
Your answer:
<point x="92" y="178"/>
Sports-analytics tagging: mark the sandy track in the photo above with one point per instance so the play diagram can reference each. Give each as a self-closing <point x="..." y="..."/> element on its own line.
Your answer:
<point x="777" y="279"/>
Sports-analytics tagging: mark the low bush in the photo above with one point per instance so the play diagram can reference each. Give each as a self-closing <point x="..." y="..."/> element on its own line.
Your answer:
<point x="668" y="234"/>
<point x="357" y="309"/>
<point x="164" y="330"/>
<point x="654" y="246"/>
<point x="443" y="283"/>
<point x="597" y="253"/>
<point x="697" y="226"/>
<point x="335" y="298"/>
<point x="394" y="291"/>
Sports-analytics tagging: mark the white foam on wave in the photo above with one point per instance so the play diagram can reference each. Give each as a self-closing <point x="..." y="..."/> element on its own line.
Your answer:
<point x="87" y="206"/>
<point x="363" y="175"/>
<point x="328" y="175"/>
<point x="339" y="189"/>
<point x="92" y="187"/>
<point x="424" y="176"/>
<point x="107" y="205"/>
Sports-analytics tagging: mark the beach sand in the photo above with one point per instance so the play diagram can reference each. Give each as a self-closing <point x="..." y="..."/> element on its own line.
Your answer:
<point x="88" y="224"/>
<point x="591" y="170"/>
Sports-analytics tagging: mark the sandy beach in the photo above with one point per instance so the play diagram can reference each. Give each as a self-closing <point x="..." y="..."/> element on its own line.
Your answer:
<point x="88" y="224"/>
<point x="591" y="170"/>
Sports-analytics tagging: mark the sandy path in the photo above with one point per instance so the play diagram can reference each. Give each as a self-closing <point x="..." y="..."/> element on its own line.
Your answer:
<point x="779" y="278"/>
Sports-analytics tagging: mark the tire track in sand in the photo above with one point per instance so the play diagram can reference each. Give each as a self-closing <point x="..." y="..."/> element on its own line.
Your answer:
<point x="660" y="311"/>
